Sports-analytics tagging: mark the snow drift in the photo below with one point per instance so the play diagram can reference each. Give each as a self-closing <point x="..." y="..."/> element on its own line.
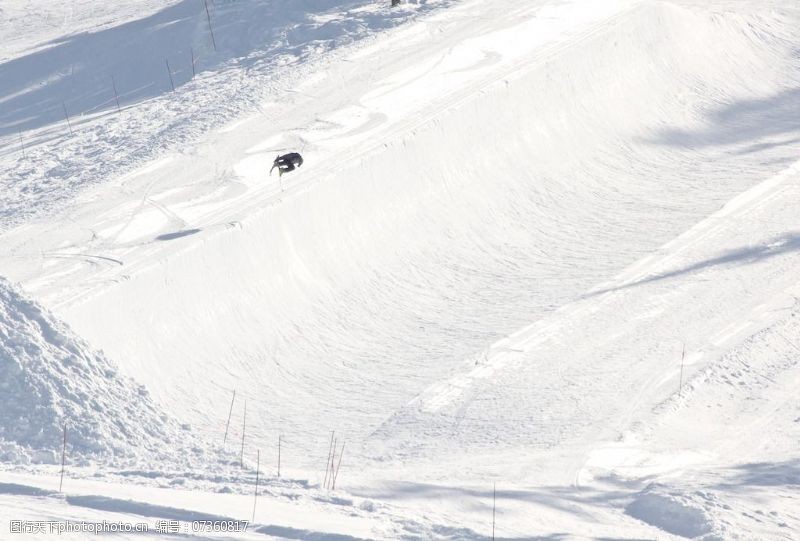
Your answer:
<point x="49" y="377"/>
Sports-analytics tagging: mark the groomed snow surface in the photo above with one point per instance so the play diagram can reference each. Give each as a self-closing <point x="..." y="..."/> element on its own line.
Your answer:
<point x="537" y="275"/>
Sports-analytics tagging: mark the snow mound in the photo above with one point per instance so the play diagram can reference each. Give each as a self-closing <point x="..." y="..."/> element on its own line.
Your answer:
<point x="49" y="377"/>
<point x="673" y="513"/>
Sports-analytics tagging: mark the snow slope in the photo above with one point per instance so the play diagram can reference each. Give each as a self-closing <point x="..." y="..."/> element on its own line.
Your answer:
<point x="98" y="101"/>
<point x="31" y="24"/>
<point x="543" y="245"/>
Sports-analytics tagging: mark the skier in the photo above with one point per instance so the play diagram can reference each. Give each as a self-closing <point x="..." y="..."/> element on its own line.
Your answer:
<point x="287" y="162"/>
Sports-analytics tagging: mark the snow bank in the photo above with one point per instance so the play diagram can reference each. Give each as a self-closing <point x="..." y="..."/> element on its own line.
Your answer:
<point x="49" y="377"/>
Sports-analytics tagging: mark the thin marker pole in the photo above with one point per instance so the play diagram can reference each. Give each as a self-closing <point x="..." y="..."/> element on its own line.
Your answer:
<point x="116" y="97"/>
<point x="328" y="462"/>
<point x="494" y="505"/>
<point x="228" y="424"/>
<point x="333" y="464"/>
<point x="339" y="465"/>
<point x="279" y="456"/>
<point x="680" y="384"/>
<point x="244" y="425"/>
<point x="63" y="458"/>
<point x="64" y="105"/>
<point x="171" y="82"/>
<point x="210" y="29"/>
<point x="255" y="499"/>
<point x="191" y="51"/>
<point x="21" y="143"/>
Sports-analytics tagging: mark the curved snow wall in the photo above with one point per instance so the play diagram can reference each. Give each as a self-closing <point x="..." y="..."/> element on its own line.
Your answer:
<point x="344" y="301"/>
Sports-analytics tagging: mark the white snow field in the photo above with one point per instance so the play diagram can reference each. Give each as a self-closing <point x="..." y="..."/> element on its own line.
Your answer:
<point x="547" y="246"/>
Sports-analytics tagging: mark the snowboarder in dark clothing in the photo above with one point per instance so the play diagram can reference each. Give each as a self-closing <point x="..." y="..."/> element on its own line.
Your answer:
<point x="287" y="162"/>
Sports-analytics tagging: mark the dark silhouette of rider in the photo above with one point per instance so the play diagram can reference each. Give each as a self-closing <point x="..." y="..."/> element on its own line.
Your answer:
<point x="287" y="162"/>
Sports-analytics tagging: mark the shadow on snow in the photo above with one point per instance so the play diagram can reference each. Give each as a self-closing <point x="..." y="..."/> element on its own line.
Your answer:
<point x="75" y="72"/>
<point x="781" y="245"/>
<point x="753" y="124"/>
